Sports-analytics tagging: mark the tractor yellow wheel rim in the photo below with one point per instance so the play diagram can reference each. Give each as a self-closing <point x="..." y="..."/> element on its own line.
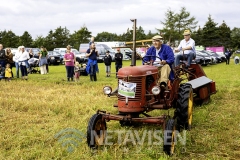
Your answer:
<point x="190" y="108"/>
<point x="173" y="140"/>
<point x="100" y="131"/>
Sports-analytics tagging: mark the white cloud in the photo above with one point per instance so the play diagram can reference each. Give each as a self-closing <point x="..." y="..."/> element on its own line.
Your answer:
<point x="39" y="17"/>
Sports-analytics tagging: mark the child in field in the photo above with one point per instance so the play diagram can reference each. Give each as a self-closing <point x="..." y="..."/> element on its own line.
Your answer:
<point x="107" y="60"/>
<point x="8" y="72"/>
<point x="76" y="71"/>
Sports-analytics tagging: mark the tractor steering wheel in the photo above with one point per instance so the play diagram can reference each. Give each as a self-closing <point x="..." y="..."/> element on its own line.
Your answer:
<point x="147" y="62"/>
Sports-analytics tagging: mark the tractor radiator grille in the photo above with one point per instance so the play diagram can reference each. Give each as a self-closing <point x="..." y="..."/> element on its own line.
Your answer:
<point x="138" y="90"/>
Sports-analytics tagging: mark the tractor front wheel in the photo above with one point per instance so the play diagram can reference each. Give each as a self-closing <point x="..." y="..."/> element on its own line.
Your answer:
<point x="170" y="133"/>
<point x="184" y="110"/>
<point x="96" y="131"/>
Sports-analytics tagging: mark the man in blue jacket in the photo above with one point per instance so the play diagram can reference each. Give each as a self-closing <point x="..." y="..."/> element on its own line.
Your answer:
<point x="166" y="55"/>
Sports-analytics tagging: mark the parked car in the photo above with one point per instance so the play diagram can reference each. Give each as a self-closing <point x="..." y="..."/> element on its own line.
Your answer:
<point x="80" y="57"/>
<point x="223" y="57"/>
<point x="35" y="51"/>
<point x="206" y="59"/>
<point x="213" y="57"/>
<point x="102" y="49"/>
<point x="197" y="60"/>
<point x="54" y="58"/>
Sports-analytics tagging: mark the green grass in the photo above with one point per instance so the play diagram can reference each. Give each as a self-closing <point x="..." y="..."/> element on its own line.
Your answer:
<point x="32" y="113"/>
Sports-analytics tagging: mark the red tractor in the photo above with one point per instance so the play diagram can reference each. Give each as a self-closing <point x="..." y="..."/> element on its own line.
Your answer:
<point x="138" y="94"/>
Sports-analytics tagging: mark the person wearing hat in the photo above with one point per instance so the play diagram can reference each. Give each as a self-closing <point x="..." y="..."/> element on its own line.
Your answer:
<point x="107" y="61"/>
<point x="187" y="46"/>
<point x="166" y="55"/>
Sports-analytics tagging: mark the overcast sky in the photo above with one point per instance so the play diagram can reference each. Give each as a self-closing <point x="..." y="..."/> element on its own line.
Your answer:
<point x="38" y="17"/>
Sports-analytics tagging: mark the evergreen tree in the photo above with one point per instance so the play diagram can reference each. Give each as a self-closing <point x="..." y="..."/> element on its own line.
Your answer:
<point x="49" y="42"/>
<point x="235" y="38"/>
<point x="9" y="39"/>
<point x="26" y="40"/>
<point x="150" y="34"/>
<point x="39" y="41"/>
<point x="80" y="36"/>
<point x="197" y="36"/>
<point x="225" y="35"/>
<point x="184" y="21"/>
<point x="57" y="39"/>
<point x="169" y="32"/>
<point x="140" y="35"/>
<point x="210" y="36"/>
<point x="106" y="36"/>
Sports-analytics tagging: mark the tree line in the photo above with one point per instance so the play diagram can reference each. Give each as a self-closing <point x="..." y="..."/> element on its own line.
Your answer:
<point x="211" y="34"/>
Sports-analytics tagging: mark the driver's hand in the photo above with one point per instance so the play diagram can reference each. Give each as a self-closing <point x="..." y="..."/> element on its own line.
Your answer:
<point x="146" y="63"/>
<point x="163" y="62"/>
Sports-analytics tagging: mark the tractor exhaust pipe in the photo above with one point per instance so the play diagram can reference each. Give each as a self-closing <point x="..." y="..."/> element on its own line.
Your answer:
<point x="134" y="42"/>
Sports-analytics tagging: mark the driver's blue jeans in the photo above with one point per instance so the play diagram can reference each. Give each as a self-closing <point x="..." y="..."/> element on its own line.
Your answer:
<point x="189" y="57"/>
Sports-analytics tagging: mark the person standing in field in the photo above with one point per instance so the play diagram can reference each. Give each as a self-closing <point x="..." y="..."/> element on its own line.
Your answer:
<point x="92" y="66"/>
<point x="15" y="59"/>
<point x="2" y="56"/>
<point x="77" y="71"/>
<point x="69" y="60"/>
<point x="118" y="60"/>
<point x="2" y="72"/>
<point x="228" y="54"/>
<point x="107" y="61"/>
<point x="22" y="62"/>
<point x="30" y="53"/>
<point x="9" y="58"/>
<point x="43" y="60"/>
<point x="8" y="72"/>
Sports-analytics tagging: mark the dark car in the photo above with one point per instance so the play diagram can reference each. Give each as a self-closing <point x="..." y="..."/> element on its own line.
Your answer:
<point x="101" y="48"/>
<point x="54" y="58"/>
<point x="197" y="59"/>
<point x="35" y="51"/>
<point x="220" y="56"/>
<point x="215" y="58"/>
<point x="206" y="59"/>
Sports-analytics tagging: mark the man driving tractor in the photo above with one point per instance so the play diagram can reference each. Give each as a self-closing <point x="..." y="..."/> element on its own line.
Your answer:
<point x="162" y="56"/>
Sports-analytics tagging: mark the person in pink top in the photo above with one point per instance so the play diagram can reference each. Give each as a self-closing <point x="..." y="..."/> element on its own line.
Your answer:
<point x="69" y="59"/>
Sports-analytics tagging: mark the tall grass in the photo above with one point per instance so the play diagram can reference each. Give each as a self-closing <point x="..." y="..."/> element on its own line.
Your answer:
<point x="32" y="113"/>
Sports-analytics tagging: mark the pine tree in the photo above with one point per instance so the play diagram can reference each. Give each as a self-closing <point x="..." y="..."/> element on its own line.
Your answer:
<point x="210" y="36"/>
<point x="9" y="39"/>
<point x="225" y="35"/>
<point x="235" y="38"/>
<point x="26" y="40"/>
<point x="80" y="36"/>
<point x="184" y="21"/>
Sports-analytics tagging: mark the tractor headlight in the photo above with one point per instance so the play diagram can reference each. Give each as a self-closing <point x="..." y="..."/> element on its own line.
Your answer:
<point x="107" y="90"/>
<point x="155" y="90"/>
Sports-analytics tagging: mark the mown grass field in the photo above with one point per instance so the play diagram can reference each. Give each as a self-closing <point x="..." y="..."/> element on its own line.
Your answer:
<point x="33" y="112"/>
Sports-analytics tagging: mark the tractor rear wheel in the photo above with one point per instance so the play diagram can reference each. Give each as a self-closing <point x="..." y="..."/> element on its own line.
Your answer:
<point x="96" y="131"/>
<point x="169" y="137"/>
<point x="184" y="110"/>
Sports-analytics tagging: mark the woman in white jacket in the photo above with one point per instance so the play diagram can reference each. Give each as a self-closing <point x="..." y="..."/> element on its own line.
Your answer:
<point x="22" y="62"/>
<point x="15" y="59"/>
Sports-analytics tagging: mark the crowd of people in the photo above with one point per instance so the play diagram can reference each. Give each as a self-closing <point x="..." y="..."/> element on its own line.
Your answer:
<point x="20" y="61"/>
<point x="165" y="52"/>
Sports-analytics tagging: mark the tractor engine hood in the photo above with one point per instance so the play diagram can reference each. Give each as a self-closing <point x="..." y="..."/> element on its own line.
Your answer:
<point x="137" y="71"/>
